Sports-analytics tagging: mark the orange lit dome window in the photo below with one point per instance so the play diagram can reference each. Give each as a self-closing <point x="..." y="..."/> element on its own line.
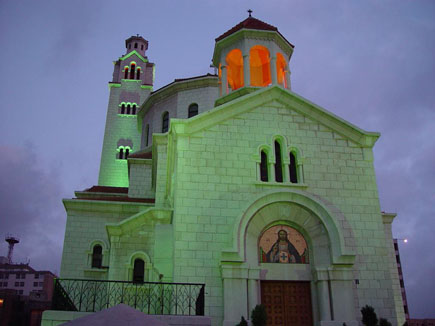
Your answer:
<point x="259" y="60"/>
<point x="234" y="61"/>
<point x="281" y="67"/>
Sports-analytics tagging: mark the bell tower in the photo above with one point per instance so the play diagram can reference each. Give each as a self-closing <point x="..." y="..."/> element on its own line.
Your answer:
<point x="133" y="77"/>
<point x="252" y="54"/>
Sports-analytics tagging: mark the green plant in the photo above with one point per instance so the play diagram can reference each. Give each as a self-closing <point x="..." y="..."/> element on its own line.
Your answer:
<point x="384" y="322"/>
<point x="369" y="317"/>
<point x="243" y="322"/>
<point x="259" y="315"/>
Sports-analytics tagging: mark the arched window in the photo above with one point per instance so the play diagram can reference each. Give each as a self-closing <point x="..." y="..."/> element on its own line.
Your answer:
<point x="133" y="109"/>
<point x="141" y="47"/>
<point x="293" y="168"/>
<point x="278" y="162"/>
<point x="138" y="271"/>
<point x="165" y="122"/>
<point x="127" y="151"/>
<point x="122" y="108"/>
<point x="138" y="73"/>
<point x="121" y="153"/>
<point x="126" y="73"/>
<point x="281" y="66"/>
<point x="97" y="256"/>
<point x="234" y="61"/>
<point x="135" y="45"/>
<point x="263" y="167"/>
<point x="259" y="61"/>
<point x="128" y="108"/>
<point x="147" y="131"/>
<point x="132" y="70"/>
<point x="193" y="110"/>
<point x="129" y="46"/>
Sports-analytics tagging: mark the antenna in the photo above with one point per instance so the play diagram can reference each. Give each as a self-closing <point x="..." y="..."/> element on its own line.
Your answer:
<point x="11" y="240"/>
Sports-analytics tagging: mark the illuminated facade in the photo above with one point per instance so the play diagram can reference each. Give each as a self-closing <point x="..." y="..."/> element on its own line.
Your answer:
<point x="238" y="183"/>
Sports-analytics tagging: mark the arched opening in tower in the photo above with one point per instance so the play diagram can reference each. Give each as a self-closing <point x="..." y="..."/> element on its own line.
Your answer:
<point x="234" y="61"/>
<point x="259" y="61"/>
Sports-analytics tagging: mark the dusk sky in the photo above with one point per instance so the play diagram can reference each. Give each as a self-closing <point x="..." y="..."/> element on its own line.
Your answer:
<point x="370" y="62"/>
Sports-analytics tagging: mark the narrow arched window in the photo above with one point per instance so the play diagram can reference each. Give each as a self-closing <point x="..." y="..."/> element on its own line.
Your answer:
<point x="165" y="122"/>
<point x="123" y="109"/>
<point x="293" y="168"/>
<point x="147" y="130"/>
<point x="133" y="109"/>
<point x="121" y="153"/>
<point x="135" y="45"/>
<point x="278" y="162"/>
<point x="193" y="110"/>
<point x="263" y="167"/>
<point x="97" y="256"/>
<point x="129" y="46"/>
<point x="132" y="70"/>
<point x="127" y="151"/>
<point x="128" y="108"/>
<point x="125" y="73"/>
<point x="138" y="73"/>
<point x="141" y="47"/>
<point x="138" y="271"/>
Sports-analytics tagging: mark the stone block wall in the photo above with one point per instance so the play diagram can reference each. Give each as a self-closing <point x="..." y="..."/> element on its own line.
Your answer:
<point x="216" y="180"/>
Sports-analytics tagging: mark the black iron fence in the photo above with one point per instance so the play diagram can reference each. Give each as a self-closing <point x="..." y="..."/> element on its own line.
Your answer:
<point x="149" y="297"/>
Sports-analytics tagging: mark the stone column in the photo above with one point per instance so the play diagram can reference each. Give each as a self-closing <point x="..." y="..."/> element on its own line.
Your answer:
<point x="224" y="80"/>
<point x="235" y="281"/>
<point x="323" y="300"/>
<point x="287" y="78"/>
<point x="246" y="71"/>
<point x="273" y="70"/>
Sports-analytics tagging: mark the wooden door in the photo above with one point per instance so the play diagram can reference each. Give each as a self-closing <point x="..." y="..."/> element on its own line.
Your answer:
<point x="287" y="303"/>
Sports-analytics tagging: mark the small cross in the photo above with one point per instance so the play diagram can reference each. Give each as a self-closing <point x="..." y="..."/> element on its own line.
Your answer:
<point x="283" y="256"/>
<point x="249" y="12"/>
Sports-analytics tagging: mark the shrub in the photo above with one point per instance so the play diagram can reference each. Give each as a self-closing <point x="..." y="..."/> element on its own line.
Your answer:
<point x="384" y="322"/>
<point x="369" y="317"/>
<point x="259" y="315"/>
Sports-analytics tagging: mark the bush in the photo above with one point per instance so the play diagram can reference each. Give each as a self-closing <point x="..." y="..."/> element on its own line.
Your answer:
<point x="243" y="322"/>
<point x="369" y="317"/>
<point x="259" y="315"/>
<point x="384" y="322"/>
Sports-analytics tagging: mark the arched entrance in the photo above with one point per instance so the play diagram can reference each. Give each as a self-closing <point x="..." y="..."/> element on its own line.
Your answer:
<point x="295" y="291"/>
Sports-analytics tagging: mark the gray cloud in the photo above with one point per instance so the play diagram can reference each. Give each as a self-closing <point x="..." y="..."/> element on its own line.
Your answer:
<point x="30" y="208"/>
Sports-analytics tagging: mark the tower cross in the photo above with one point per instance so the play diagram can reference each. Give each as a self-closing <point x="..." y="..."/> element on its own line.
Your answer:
<point x="249" y="12"/>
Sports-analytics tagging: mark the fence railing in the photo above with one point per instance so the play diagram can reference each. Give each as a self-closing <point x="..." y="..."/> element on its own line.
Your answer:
<point x="152" y="298"/>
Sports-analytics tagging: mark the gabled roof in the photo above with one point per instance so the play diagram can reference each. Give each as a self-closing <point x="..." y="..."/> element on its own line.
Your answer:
<point x="251" y="23"/>
<point x="283" y="98"/>
<point x="130" y="54"/>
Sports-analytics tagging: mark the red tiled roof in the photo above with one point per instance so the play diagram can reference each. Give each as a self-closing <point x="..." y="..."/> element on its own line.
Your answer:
<point x="123" y="199"/>
<point x="111" y="190"/>
<point x="146" y="155"/>
<point x="251" y="23"/>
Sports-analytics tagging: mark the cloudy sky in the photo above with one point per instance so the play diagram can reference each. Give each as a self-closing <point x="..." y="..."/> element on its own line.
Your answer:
<point x="370" y="62"/>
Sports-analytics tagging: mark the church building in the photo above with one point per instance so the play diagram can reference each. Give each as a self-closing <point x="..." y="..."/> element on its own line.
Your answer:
<point x="234" y="183"/>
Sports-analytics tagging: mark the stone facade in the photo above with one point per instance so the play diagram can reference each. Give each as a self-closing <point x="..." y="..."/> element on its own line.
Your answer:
<point x="197" y="202"/>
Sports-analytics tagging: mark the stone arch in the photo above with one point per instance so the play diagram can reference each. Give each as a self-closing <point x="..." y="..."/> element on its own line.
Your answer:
<point x="337" y="228"/>
<point x="151" y="274"/>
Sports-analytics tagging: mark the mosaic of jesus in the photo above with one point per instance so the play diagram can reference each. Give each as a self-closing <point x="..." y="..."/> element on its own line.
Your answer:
<point x="283" y="244"/>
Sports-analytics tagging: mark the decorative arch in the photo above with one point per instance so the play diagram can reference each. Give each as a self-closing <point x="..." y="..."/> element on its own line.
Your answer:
<point x="151" y="274"/>
<point x="104" y="252"/>
<point x="192" y="110"/>
<point x="259" y="61"/>
<point x="234" y="60"/>
<point x="329" y="216"/>
<point x="281" y="68"/>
